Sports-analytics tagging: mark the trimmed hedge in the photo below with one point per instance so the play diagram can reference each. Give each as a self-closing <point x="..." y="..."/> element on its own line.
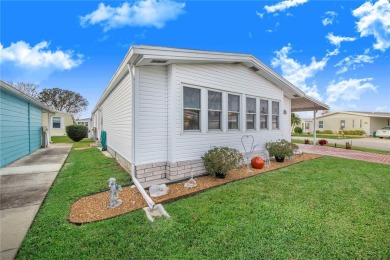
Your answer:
<point x="327" y="132"/>
<point x="298" y="130"/>
<point x="76" y="132"/>
<point x="352" y="132"/>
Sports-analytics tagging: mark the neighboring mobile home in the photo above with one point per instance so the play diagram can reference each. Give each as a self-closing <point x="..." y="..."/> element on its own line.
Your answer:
<point x="165" y="107"/>
<point x="58" y="122"/>
<point x="307" y="125"/>
<point x="86" y="122"/>
<point x="369" y="122"/>
<point x="21" y="130"/>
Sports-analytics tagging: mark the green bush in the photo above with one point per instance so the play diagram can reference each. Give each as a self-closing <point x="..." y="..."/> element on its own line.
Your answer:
<point x="327" y="132"/>
<point x="281" y="148"/>
<point x="352" y="132"/>
<point x="298" y="130"/>
<point x="76" y="132"/>
<point x="219" y="160"/>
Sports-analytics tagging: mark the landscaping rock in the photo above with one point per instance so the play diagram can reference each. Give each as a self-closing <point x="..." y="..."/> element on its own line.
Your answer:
<point x="158" y="190"/>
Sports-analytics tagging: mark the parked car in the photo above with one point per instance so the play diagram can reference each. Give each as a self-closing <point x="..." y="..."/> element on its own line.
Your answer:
<point x="384" y="132"/>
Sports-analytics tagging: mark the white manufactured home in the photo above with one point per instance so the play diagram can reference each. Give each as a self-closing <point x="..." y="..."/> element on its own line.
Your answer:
<point x="165" y="107"/>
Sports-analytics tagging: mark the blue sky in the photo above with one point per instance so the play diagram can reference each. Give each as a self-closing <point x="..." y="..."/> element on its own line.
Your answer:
<point x="336" y="51"/>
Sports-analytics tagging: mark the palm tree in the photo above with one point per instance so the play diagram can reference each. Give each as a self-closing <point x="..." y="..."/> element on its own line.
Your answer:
<point x="295" y="121"/>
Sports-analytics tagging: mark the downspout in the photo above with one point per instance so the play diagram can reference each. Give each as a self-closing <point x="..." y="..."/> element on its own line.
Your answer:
<point x="315" y="122"/>
<point x="141" y="189"/>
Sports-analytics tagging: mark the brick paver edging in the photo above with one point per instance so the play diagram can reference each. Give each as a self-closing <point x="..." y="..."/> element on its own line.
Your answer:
<point x="344" y="153"/>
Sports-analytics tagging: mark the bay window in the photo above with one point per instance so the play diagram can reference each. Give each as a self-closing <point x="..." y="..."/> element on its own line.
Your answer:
<point x="191" y="105"/>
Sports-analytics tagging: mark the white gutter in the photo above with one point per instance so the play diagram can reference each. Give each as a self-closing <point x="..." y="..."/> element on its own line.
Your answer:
<point x="145" y="195"/>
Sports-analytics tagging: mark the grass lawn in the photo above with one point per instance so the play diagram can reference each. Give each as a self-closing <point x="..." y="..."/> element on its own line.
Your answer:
<point x="363" y="149"/>
<point x="64" y="139"/>
<point x="328" y="208"/>
<point x="329" y="136"/>
<point x="61" y="139"/>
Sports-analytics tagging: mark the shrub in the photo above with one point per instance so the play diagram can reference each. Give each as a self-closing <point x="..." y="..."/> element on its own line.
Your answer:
<point x="219" y="160"/>
<point x="298" y="130"/>
<point x="327" y="132"/>
<point x="323" y="142"/>
<point x="76" y="132"/>
<point x="281" y="148"/>
<point x="307" y="141"/>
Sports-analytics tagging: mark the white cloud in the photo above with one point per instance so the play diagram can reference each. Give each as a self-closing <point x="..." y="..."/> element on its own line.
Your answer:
<point x="298" y="73"/>
<point x="382" y="109"/>
<point x="330" y="18"/>
<point x="275" y="28"/>
<point x="153" y="13"/>
<point x="281" y="6"/>
<point x="374" y="19"/>
<point x="353" y="62"/>
<point x="347" y="90"/>
<point x="261" y="15"/>
<point x="337" y="40"/>
<point x="39" y="56"/>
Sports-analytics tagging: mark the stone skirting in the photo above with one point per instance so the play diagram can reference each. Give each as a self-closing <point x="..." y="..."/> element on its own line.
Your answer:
<point x="185" y="169"/>
<point x="161" y="170"/>
<point x="121" y="160"/>
<point x="151" y="171"/>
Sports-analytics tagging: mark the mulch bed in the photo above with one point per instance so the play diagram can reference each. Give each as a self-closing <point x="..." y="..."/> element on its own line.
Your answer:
<point x="95" y="207"/>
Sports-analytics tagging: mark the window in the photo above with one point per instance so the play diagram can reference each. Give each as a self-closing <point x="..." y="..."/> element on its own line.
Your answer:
<point x="275" y="115"/>
<point x="233" y="111"/>
<point x="307" y="126"/>
<point x="191" y="104"/>
<point x="263" y="114"/>
<point x="353" y="123"/>
<point x="86" y="124"/>
<point x="320" y="124"/>
<point x="250" y="113"/>
<point x="215" y="109"/>
<point x="56" y="122"/>
<point x="360" y="123"/>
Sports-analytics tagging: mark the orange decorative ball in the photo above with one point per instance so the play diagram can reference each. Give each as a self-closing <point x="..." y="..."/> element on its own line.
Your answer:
<point x="257" y="162"/>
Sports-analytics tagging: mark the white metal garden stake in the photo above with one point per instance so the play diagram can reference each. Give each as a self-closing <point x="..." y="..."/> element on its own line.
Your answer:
<point x="248" y="155"/>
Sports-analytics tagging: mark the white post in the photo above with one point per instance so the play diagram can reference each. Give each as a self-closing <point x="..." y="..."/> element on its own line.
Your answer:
<point x="315" y="123"/>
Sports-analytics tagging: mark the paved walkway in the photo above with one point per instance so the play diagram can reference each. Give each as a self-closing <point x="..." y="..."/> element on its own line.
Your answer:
<point x="344" y="153"/>
<point x="24" y="185"/>
<point x="369" y="142"/>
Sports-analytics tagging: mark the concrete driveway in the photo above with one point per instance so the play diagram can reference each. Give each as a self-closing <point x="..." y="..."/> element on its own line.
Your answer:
<point x="24" y="185"/>
<point x="374" y="143"/>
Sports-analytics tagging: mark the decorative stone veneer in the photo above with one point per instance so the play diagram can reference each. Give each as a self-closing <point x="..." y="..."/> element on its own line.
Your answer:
<point x="150" y="171"/>
<point x="161" y="170"/>
<point x="185" y="169"/>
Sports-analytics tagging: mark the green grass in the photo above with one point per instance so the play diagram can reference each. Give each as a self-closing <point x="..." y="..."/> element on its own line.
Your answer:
<point x="342" y="146"/>
<point x="64" y="139"/>
<point x="60" y="139"/>
<point x="329" y="136"/>
<point x="328" y="208"/>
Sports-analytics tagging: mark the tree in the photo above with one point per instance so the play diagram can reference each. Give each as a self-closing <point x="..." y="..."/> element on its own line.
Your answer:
<point x="63" y="100"/>
<point x="295" y="120"/>
<point x="29" y="89"/>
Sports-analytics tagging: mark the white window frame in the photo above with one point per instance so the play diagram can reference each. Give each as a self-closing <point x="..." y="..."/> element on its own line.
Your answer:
<point x="246" y="113"/>
<point x="321" y="124"/>
<point x="213" y="110"/>
<point x="52" y="122"/>
<point x="239" y="111"/>
<point x="183" y="108"/>
<point x="266" y="115"/>
<point x="278" y="115"/>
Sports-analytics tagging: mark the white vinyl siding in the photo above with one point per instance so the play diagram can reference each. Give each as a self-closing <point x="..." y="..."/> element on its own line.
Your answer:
<point x="116" y="112"/>
<point x="227" y="78"/>
<point x="152" y="129"/>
